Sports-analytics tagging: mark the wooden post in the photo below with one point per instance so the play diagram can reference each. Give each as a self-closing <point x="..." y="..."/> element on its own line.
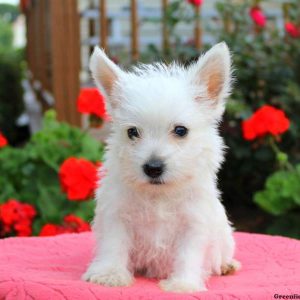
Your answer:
<point x="42" y="26"/>
<point x="92" y="29"/>
<point x="165" y="40"/>
<point x="197" y="30"/>
<point x="227" y="23"/>
<point x="28" y="38"/>
<point x="285" y="9"/>
<point x="36" y="39"/>
<point x="134" y="31"/>
<point x="46" y="46"/>
<point x="33" y="40"/>
<point x="65" y="58"/>
<point x="103" y="25"/>
<point x="39" y="40"/>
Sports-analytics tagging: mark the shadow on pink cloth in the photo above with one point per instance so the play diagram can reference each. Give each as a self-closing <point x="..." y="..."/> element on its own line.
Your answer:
<point x="50" y="268"/>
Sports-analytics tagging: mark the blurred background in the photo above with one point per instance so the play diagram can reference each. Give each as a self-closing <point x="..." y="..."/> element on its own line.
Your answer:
<point x="53" y="122"/>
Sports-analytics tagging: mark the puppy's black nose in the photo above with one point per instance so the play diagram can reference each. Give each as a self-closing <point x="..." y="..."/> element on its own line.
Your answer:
<point x="153" y="168"/>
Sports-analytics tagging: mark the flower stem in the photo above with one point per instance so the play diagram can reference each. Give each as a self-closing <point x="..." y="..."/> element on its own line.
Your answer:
<point x="281" y="157"/>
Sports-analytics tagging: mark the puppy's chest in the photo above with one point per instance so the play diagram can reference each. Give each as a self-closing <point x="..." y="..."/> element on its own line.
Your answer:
<point x="153" y="225"/>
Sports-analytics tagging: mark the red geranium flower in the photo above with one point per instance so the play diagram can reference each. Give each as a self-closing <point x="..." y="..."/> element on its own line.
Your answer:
<point x="3" y="140"/>
<point x="195" y="2"/>
<point x="258" y="16"/>
<point x="16" y="218"/>
<point x="23" y="227"/>
<point x="292" y="29"/>
<point x="266" y="120"/>
<point x="91" y="101"/>
<point x="77" y="223"/>
<point x="78" y="178"/>
<point x="72" y="224"/>
<point x="49" y="230"/>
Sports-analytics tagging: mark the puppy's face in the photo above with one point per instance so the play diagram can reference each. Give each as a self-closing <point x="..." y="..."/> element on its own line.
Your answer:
<point x="165" y="118"/>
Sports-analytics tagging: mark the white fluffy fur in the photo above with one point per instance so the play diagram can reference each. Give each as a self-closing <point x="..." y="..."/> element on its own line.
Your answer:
<point x="177" y="231"/>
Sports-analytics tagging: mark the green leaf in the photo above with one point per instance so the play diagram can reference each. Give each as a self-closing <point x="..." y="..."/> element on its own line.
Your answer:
<point x="270" y="202"/>
<point x="51" y="204"/>
<point x="85" y="210"/>
<point x="281" y="193"/>
<point x="91" y="149"/>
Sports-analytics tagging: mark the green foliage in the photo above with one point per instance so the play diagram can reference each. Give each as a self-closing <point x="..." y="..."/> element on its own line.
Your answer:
<point x="266" y="63"/>
<point x="8" y="12"/>
<point x="11" y="103"/>
<point x="6" y="36"/>
<point x="288" y="224"/>
<point x="281" y="198"/>
<point x="281" y="193"/>
<point x="30" y="174"/>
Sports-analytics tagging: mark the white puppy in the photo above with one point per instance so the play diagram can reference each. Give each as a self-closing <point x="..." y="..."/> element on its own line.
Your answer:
<point x="158" y="207"/>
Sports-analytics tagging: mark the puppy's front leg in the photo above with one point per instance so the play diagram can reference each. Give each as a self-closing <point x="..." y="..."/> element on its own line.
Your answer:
<point x="110" y="265"/>
<point x="188" y="274"/>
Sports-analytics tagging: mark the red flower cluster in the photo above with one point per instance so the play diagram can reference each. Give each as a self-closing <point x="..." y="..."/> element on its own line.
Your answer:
<point x="258" y="17"/>
<point x="3" y="140"/>
<point x="72" y="224"/>
<point x="266" y="120"/>
<point x="195" y="2"/>
<point x="78" y="178"/>
<point x="292" y="29"/>
<point x="16" y="217"/>
<point x="90" y="101"/>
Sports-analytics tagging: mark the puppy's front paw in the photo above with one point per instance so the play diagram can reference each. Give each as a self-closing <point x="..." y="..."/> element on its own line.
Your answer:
<point x="230" y="268"/>
<point x="181" y="286"/>
<point x="111" y="277"/>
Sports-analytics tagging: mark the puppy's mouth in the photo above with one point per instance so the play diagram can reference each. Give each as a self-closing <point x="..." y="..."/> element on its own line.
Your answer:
<point x="156" y="181"/>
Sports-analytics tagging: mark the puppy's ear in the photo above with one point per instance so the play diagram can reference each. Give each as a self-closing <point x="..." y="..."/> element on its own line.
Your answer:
<point x="212" y="75"/>
<point x="105" y="73"/>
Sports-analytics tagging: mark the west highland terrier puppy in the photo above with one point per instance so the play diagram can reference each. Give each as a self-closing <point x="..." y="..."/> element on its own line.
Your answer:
<point x="158" y="210"/>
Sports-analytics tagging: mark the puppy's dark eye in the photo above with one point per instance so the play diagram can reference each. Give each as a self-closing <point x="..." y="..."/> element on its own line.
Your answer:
<point x="132" y="133"/>
<point x="180" y="131"/>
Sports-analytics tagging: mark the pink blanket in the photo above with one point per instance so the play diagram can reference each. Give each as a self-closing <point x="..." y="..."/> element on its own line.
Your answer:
<point x="50" y="268"/>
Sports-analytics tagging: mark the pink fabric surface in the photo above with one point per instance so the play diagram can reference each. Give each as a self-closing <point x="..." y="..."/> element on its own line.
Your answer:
<point x="50" y="268"/>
